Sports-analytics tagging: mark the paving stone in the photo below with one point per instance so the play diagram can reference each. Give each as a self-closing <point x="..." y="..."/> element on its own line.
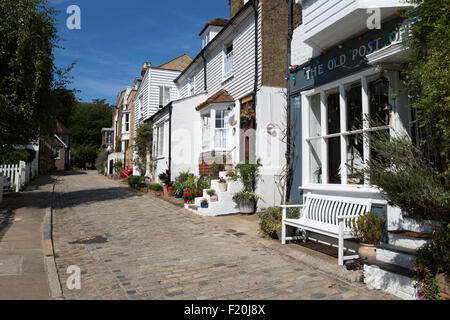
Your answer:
<point x="159" y="251"/>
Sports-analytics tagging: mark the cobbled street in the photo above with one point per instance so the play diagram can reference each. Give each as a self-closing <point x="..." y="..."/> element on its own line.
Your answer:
<point x="152" y="249"/>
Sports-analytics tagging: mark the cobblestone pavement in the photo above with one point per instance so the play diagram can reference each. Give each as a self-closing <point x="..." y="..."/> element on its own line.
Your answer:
<point x="155" y="250"/>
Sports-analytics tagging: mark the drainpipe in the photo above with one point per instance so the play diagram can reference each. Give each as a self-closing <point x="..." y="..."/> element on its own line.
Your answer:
<point x="255" y="86"/>
<point x="170" y="142"/>
<point x="204" y="71"/>
<point x="288" y="102"/>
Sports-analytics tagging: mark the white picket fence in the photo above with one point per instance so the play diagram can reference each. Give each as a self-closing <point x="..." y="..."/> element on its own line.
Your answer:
<point x="19" y="174"/>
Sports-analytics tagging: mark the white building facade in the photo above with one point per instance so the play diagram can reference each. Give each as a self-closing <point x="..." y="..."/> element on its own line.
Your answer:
<point x="346" y="81"/>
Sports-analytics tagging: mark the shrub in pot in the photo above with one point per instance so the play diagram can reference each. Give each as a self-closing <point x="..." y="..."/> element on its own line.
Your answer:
<point x="222" y="185"/>
<point x="168" y="185"/>
<point x="188" y="196"/>
<point x="212" y="195"/>
<point x="246" y="201"/>
<point x="204" y="203"/>
<point x="136" y="181"/>
<point x="178" y="189"/>
<point x="368" y="229"/>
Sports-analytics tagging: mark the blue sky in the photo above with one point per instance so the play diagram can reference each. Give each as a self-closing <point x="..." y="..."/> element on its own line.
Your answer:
<point x="118" y="36"/>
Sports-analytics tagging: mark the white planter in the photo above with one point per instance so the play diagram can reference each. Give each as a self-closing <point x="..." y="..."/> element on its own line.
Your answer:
<point x="223" y="187"/>
<point x="246" y="207"/>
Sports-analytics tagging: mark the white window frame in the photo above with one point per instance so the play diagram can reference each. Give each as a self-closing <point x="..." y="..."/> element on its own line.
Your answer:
<point x="212" y="111"/>
<point x="365" y="77"/>
<point x="158" y="140"/>
<point x="228" y="62"/>
<point x="164" y="99"/>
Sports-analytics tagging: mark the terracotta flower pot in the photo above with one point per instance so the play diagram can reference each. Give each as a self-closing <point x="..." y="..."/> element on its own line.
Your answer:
<point x="367" y="251"/>
<point x="168" y="191"/>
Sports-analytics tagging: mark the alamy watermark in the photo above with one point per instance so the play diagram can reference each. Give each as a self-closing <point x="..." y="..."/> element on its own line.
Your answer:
<point x="73" y="22"/>
<point x="74" y="280"/>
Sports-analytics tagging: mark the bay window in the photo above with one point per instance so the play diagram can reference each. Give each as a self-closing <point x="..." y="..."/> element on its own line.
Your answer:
<point x="339" y="122"/>
<point x="215" y="129"/>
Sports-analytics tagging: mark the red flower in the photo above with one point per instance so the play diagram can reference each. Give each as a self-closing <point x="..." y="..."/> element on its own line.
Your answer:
<point x="253" y="114"/>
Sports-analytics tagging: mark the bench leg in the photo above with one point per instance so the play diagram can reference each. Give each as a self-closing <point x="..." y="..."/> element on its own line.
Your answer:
<point x="341" y="243"/>
<point x="283" y="233"/>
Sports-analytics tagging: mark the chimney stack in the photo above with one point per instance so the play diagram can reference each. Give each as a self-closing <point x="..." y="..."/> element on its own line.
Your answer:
<point x="235" y="6"/>
<point x="146" y="66"/>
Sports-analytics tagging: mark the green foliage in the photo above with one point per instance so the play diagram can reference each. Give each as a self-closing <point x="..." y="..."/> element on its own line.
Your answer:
<point x="211" y="192"/>
<point x="203" y="182"/>
<point x="118" y="166"/>
<point x="136" y="181"/>
<point x="15" y="156"/>
<point x="86" y="123"/>
<point x="184" y="175"/>
<point x="101" y="162"/>
<point x="155" y="187"/>
<point x="32" y="89"/>
<point x="427" y="76"/>
<point x="270" y="221"/>
<point x="368" y="228"/>
<point x="178" y="188"/>
<point x="248" y="173"/>
<point x="190" y="184"/>
<point x="426" y="285"/>
<point x="406" y="179"/>
<point x="143" y="143"/>
<point x="246" y="197"/>
<point x="435" y="257"/>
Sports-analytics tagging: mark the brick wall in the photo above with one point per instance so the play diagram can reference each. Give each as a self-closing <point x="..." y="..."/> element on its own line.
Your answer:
<point x="275" y="25"/>
<point x="207" y="162"/>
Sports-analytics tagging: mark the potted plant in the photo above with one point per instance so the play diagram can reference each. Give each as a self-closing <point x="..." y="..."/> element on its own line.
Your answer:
<point x="204" y="203"/>
<point x="168" y="185"/>
<point x="368" y="229"/>
<point x="187" y="196"/>
<point x="212" y="195"/>
<point x="222" y="185"/>
<point x="178" y="189"/>
<point x="246" y="201"/>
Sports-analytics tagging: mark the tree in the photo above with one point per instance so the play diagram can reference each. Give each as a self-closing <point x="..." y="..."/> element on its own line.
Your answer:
<point x="32" y="89"/>
<point x="427" y="76"/>
<point x="143" y="145"/>
<point x="86" y="122"/>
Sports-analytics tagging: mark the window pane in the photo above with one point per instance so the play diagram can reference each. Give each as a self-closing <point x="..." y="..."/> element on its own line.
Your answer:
<point x="334" y="123"/>
<point x="355" y="159"/>
<point x="379" y="102"/>
<point x="315" y="161"/>
<point x="161" y="96"/>
<point x="354" y="107"/>
<point x="314" y="120"/>
<point x="166" y="95"/>
<point x="334" y="160"/>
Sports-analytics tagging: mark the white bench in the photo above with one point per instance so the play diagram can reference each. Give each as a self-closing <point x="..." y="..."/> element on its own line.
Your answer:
<point x="327" y="215"/>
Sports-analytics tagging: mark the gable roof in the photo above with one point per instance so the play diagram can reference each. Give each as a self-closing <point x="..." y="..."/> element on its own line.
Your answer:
<point x="61" y="130"/>
<point x="221" y="96"/>
<point x="179" y="63"/>
<point x="217" y="22"/>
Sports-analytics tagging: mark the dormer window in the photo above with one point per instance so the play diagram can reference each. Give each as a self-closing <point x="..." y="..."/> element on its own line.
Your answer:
<point x="228" y="61"/>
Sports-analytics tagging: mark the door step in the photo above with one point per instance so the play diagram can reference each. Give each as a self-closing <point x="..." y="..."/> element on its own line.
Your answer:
<point x="408" y="239"/>
<point x="401" y="256"/>
<point x="390" y="278"/>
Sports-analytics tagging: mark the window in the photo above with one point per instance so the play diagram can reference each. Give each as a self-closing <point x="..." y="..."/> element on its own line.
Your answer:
<point x="58" y="153"/>
<point x="158" y="145"/>
<point x="127" y="123"/>
<point x="164" y="96"/>
<point x="337" y="129"/>
<point x="228" y="61"/>
<point x="206" y="131"/>
<point x="221" y="129"/>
